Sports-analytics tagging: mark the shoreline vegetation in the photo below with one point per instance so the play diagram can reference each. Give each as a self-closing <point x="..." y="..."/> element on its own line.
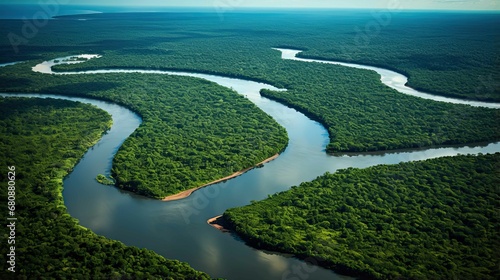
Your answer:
<point x="187" y="193"/>
<point x="133" y="185"/>
<point x="378" y="120"/>
<point x="441" y="212"/>
<point x="49" y="147"/>
<point x="104" y="180"/>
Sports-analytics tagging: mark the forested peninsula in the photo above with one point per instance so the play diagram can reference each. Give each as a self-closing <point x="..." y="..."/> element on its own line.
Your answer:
<point x="433" y="219"/>
<point x="193" y="131"/>
<point x="43" y="139"/>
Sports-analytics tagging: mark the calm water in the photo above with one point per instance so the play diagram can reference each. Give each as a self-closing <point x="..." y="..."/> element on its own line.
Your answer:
<point x="48" y="9"/>
<point x="391" y="79"/>
<point x="178" y="229"/>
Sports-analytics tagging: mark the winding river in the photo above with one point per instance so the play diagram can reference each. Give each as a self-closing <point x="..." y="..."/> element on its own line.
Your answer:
<point x="178" y="229"/>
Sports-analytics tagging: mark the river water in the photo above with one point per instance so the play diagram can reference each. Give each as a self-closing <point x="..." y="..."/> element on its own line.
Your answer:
<point x="178" y="229"/>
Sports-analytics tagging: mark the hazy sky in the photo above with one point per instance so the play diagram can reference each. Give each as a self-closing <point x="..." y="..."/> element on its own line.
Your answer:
<point x="370" y="4"/>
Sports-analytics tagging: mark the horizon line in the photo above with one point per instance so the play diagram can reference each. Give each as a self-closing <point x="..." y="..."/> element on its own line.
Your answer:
<point x="229" y="9"/>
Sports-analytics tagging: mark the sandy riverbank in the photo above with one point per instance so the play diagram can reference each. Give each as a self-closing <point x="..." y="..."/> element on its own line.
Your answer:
<point x="187" y="193"/>
<point x="217" y="223"/>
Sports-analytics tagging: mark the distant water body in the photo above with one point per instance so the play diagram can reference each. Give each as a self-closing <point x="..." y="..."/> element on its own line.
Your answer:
<point x="33" y="11"/>
<point x="30" y="11"/>
<point x="39" y="11"/>
<point x="48" y="11"/>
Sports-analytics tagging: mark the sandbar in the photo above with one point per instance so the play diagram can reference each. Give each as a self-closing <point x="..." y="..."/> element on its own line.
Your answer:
<point x="187" y="193"/>
<point x="216" y="223"/>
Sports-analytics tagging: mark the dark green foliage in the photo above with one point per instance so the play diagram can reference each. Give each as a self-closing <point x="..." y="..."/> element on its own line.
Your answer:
<point x="359" y="112"/>
<point x="193" y="131"/>
<point x="376" y="118"/>
<point x="436" y="219"/>
<point x="43" y="139"/>
<point x="443" y="214"/>
<point x="102" y="179"/>
<point x="448" y="54"/>
<point x="454" y="54"/>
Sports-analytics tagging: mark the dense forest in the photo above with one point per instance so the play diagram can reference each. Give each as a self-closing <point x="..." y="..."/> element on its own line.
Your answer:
<point x="196" y="132"/>
<point x="448" y="54"/>
<point x="432" y="219"/>
<point x="378" y="117"/>
<point x="366" y="119"/>
<point x="44" y="139"/>
<point x="359" y="112"/>
<point x="453" y="54"/>
<point x="436" y="219"/>
<point x="193" y="131"/>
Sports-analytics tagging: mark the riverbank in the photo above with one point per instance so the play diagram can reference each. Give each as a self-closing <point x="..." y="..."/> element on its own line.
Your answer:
<point x="187" y="193"/>
<point x="305" y="136"/>
<point x="219" y="223"/>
